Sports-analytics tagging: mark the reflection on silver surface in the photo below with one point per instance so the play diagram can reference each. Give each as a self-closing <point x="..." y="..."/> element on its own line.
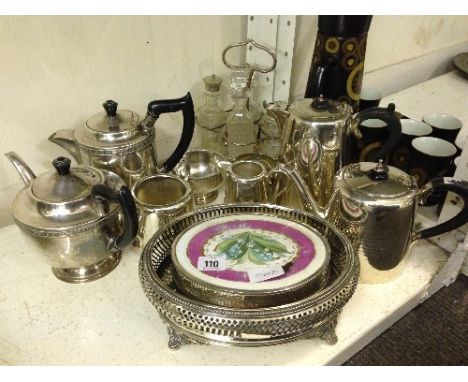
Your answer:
<point x="159" y="199"/>
<point x="73" y="233"/>
<point x="200" y="168"/>
<point x="246" y="182"/>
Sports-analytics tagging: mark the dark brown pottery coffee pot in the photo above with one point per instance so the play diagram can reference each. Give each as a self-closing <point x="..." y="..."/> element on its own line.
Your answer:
<point x="338" y="60"/>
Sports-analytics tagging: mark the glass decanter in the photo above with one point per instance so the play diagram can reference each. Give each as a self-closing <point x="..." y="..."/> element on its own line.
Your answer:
<point x="240" y="131"/>
<point x="211" y="115"/>
<point x="253" y="104"/>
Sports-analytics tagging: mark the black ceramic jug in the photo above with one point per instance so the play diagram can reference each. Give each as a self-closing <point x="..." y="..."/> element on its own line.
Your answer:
<point x="338" y="60"/>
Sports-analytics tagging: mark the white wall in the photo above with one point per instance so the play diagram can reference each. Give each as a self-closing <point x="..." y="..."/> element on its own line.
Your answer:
<point x="391" y="40"/>
<point x="56" y="71"/>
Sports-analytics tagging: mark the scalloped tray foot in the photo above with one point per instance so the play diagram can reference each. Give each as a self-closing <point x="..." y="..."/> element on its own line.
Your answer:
<point x="327" y="333"/>
<point x="177" y="340"/>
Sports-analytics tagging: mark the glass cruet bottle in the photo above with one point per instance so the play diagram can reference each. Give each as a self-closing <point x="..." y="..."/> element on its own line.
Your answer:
<point x="211" y="115"/>
<point x="240" y="132"/>
<point x="274" y="116"/>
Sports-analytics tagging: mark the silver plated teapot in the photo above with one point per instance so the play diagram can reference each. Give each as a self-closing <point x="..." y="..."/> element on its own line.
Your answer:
<point x="79" y="219"/>
<point x="374" y="205"/>
<point x="117" y="141"/>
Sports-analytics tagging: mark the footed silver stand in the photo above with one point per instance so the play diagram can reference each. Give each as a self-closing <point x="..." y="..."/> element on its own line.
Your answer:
<point x="325" y="332"/>
<point x="191" y="321"/>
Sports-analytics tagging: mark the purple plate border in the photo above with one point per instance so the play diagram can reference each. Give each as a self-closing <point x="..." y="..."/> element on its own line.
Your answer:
<point x="304" y="243"/>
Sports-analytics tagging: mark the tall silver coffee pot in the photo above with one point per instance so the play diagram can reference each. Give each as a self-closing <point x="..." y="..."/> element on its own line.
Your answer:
<point x="320" y="132"/>
<point x="117" y="141"/>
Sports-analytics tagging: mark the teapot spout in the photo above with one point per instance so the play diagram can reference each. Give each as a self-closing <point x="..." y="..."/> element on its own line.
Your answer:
<point x="308" y="201"/>
<point x="65" y="138"/>
<point x="23" y="169"/>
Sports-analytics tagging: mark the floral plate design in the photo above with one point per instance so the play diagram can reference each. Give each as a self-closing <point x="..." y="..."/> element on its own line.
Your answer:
<point x="251" y="242"/>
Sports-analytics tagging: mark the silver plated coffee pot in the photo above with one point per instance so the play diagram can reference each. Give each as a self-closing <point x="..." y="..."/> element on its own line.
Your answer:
<point x="374" y="205"/>
<point x="79" y="219"/>
<point x="320" y="133"/>
<point x="118" y="141"/>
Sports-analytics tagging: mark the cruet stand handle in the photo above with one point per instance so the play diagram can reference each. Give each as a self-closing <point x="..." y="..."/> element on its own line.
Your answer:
<point x="247" y="66"/>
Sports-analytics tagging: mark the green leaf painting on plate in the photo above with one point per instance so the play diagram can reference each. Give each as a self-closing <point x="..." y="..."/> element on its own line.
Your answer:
<point x="258" y="248"/>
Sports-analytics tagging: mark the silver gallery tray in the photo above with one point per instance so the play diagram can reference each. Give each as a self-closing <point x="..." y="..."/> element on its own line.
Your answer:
<point x="194" y="321"/>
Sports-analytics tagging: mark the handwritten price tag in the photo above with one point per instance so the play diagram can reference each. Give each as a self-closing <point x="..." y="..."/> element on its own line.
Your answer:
<point x="206" y="263"/>
<point x="262" y="274"/>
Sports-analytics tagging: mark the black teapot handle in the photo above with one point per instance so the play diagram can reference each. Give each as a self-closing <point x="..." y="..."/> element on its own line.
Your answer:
<point x="184" y="104"/>
<point x="393" y="125"/>
<point x="456" y="186"/>
<point x="125" y="199"/>
<point x="315" y="80"/>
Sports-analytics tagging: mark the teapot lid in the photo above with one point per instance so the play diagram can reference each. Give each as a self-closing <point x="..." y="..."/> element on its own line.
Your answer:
<point x="65" y="184"/>
<point x="110" y="128"/>
<point x="59" y="199"/>
<point x="375" y="183"/>
<point x="320" y="108"/>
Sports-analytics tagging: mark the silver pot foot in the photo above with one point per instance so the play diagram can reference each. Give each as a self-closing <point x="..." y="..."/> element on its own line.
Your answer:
<point x="90" y="272"/>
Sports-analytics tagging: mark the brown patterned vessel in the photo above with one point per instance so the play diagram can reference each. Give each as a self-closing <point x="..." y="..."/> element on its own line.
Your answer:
<point x="338" y="61"/>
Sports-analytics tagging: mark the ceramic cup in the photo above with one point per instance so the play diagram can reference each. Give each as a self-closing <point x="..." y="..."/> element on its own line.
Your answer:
<point x="431" y="157"/>
<point x="460" y="142"/>
<point x="159" y="199"/>
<point x="369" y="97"/>
<point x="374" y="133"/>
<point x="443" y="126"/>
<point x="410" y="129"/>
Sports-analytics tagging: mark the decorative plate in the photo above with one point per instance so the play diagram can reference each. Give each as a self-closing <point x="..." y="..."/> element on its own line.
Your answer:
<point x="250" y="260"/>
